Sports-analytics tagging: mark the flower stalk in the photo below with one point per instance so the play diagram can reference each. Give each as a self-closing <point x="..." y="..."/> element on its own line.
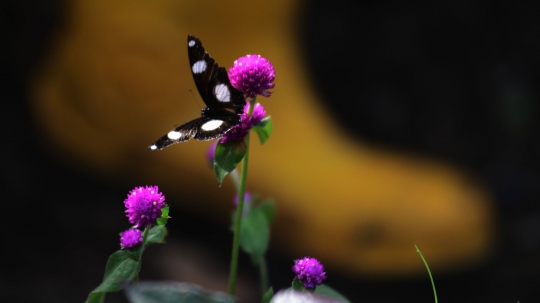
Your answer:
<point x="239" y="210"/>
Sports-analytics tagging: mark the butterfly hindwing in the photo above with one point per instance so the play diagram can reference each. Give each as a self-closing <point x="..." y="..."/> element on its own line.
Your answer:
<point x="179" y="134"/>
<point x="203" y="128"/>
<point x="223" y="102"/>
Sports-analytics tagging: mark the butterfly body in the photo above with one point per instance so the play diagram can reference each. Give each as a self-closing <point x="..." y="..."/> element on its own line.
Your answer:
<point x="224" y="103"/>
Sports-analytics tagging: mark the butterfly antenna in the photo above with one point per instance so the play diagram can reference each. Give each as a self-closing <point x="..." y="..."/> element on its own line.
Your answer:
<point x="195" y="98"/>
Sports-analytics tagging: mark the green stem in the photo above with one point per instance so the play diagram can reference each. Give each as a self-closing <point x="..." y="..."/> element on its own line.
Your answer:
<point x="263" y="272"/>
<point x="429" y="272"/>
<point x="239" y="210"/>
<point x="145" y="235"/>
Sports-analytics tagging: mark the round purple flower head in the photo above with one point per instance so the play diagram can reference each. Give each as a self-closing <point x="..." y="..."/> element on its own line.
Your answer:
<point x="310" y="271"/>
<point x="241" y="130"/>
<point x="144" y="206"/>
<point x="253" y="74"/>
<point x="131" y="238"/>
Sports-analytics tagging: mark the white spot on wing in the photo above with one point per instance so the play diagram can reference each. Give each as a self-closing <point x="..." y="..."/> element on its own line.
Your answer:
<point x="174" y="135"/>
<point x="153" y="147"/>
<point x="222" y="93"/>
<point x="211" y="125"/>
<point x="199" y="67"/>
<point x="191" y="43"/>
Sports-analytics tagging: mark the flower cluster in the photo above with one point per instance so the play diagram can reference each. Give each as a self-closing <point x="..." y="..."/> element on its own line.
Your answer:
<point x="144" y="206"/>
<point x="310" y="271"/>
<point x="254" y="75"/>
<point x="241" y="130"/>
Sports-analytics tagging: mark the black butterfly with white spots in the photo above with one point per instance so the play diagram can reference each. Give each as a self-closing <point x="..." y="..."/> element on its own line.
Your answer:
<point x="223" y="102"/>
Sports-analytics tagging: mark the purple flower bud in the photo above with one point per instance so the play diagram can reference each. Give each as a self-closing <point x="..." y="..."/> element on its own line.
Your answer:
<point x="144" y="206"/>
<point x="211" y="152"/>
<point x="310" y="271"/>
<point x="253" y="74"/>
<point x="241" y="130"/>
<point x="131" y="238"/>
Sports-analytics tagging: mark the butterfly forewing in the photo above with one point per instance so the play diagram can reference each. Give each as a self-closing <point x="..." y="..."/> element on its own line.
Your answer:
<point x="203" y="68"/>
<point x="213" y="81"/>
<point x="224" y="102"/>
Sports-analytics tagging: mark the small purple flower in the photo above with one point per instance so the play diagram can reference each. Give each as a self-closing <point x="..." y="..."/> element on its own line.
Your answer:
<point x="253" y="74"/>
<point x="310" y="271"/>
<point x="241" y="130"/>
<point x="247" y="198"/>
<point x="131" y="238"/>
<point x="144" y="206"/>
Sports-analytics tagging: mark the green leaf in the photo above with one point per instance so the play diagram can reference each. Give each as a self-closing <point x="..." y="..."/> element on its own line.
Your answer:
<point x="264" y="129"/>
<point x="268" y="295"/>
<point x="96" y="297"/>
<point x="330" y="292"/>
<point x="227" y="157"/>
<point x="164" y="216"/>
<point x="298" y="285"/>
<point x="156" y="235"/>
<point x="255" y="231"/>
<point x="174" y="292"/>
<point x="122" y="268"/>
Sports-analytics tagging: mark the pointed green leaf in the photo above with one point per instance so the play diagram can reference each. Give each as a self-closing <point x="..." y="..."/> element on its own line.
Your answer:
<point x="330" y="292"/>
<point x="174" y="292"/>
<point x="264" y="129"/>
<point x="268" y="295"/>
<point x="122" y="268"/>
<point x="227" y="157"/>
<point x="255" y="232"/>
<point x="156" y="235"/>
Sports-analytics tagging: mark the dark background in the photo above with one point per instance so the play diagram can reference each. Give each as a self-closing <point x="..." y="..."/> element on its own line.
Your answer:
<point x="455" y="81"/>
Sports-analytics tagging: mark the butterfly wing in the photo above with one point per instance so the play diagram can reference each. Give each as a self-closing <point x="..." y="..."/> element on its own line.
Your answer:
<point x="213" y="81"/>
<point x="203" y="128"/>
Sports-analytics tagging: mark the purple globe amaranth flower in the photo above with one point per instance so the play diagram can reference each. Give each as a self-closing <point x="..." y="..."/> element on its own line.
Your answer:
<point x="144" y="206"/>
<point x="253" y="74"/>
<point x="131" y="238"/>
<point x="310" y="271"/>
<point x="241" y="130"/>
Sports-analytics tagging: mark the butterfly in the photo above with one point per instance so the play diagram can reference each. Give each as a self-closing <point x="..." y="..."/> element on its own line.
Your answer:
<point x="223" y="102"/>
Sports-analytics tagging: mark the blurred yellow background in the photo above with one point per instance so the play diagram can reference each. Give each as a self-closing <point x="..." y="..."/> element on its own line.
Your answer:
<point x="117" y="76"/>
